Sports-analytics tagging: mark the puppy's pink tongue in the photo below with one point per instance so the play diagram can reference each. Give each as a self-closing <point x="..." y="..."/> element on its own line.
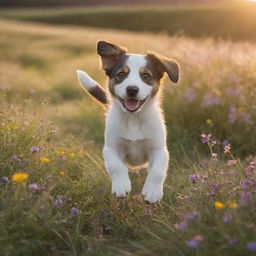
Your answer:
<point x="132" y="105"/>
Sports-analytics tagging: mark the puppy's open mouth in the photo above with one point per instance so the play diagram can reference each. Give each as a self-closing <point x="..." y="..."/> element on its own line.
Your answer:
<point x="132" y="105"/>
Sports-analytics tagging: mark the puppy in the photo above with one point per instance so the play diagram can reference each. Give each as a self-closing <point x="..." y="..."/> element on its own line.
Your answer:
<point x="135" y="133"/>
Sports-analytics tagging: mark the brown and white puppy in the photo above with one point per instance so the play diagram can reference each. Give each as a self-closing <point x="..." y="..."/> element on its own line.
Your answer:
<point x="135" y="133"/>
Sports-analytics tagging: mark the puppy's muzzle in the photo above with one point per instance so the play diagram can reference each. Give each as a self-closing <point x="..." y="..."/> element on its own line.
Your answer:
<point x="132" y="91"/>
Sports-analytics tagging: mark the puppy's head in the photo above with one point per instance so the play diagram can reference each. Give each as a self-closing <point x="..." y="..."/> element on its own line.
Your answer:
<point x="134" y="78"/>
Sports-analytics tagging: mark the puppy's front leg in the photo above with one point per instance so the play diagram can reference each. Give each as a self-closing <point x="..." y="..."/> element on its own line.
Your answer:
<point x="153" y="187"/>
<point x="121" y="184"/>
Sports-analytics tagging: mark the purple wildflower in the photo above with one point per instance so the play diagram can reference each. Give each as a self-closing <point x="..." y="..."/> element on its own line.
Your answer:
<point x="181" y="226"/>
<point x="15" y="158"/>
<point x="227" y="149"/>
<point x="35" y="149"/>
<point x="59" y="202"/>
<point x="75" y="211"/>
<point x="205" y="138"/>
<point x="188" y="197"/>
<point x="195" y="242"/>
<point x="193" y="178"/>
<point x="193" y="216"/>
<point x="245" y="195"/>
<point x="227" y="218"/>
<point x="251" y="246"/>
<point x="232" y="241"/>
<point x="34" y="186"/>
<point x="4" y="179"/>
<point x="210" y="100"/>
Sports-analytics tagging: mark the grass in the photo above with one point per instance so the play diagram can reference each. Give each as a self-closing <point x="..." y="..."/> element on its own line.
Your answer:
<point x="233" y="21"/>
<point x="41" y="105"/>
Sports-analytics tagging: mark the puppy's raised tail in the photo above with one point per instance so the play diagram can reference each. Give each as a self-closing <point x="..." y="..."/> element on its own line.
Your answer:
<point x="92" y="87"/>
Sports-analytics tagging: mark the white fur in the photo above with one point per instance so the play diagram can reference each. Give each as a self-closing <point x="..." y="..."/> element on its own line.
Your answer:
<point x="85" y="80"/>
<point x="136" y="139"/>
<point x="134" y="62"/>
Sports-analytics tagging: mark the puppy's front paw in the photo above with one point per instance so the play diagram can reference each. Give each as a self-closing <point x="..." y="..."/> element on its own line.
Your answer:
<point x="152" y="193"/>
<point x="121" y="186"/>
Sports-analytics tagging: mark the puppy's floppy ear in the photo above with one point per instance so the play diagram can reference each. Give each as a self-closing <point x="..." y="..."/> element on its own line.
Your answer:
<point x="164" y="64"/>
<point x="110" y="54"/>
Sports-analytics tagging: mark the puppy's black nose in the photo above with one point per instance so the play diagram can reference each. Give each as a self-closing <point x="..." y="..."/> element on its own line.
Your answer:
<point x="132" y="91"/>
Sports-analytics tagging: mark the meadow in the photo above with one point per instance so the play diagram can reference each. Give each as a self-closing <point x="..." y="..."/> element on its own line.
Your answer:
<point x="231" y="21"/>
<point x="54" y="191"/>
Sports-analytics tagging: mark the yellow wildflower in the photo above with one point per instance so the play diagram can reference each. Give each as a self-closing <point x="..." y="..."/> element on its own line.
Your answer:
<point x="61" y="173"/>
<point x="209" y="121"/>
<point x="219" y="205"/>
<point x="45" y="159"/>
<point x="72" y="154"/>
<point x="61" y="152"/>
<point x="232" y="204"/>
<point x="19" y="176"/>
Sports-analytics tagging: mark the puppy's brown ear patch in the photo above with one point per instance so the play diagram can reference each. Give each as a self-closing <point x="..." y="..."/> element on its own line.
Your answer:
<point x="110" y="54"/>
<point x="164" y="64"/>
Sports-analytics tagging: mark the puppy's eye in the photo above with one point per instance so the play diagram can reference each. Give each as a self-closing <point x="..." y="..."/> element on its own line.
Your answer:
<point x="120" y="76"/>
<point x="146" y="76"/>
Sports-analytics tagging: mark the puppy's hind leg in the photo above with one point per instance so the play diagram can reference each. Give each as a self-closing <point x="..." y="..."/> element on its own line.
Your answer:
<point x="121" y="184"/>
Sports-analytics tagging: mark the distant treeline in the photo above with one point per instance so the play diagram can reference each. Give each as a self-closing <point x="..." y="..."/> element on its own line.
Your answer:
<point x="38" y="3"/>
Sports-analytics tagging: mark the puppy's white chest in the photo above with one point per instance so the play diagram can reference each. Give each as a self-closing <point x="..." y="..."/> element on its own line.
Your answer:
<point x="133" y="130"/>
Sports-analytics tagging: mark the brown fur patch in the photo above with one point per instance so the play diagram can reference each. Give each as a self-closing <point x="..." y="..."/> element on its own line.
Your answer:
<point x="110" y="54"/>
<point x="163" y="64"/>
<point x="98" y="93"/>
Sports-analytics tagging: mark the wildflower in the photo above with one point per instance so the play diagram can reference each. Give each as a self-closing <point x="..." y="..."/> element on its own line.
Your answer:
<point x="19" y="177"/>
<point x="193" y="178"/>
<point x="251" y="246"/>
<point x="232" y="241"/>
<point x="219" y="205"/>
<point x="227" y="149"/>
<point x="72" y="154"/>
<point x="209" y="121"/>
<point x="34" y="186"/>
<point x="61" y="152"/>
<point x="215" y="188"/>
<point x="188" y="197"/>
<point x="227" y="218"/>
<point x="195" y="242"/>
<point x="4" y="179"/>
<point x="193" y="216"/>
<point x="35" y="149"/>
<point x="245" y="195"/>
<point x="210" y="100"/>
<point x="59" y="202"/>
<point x="61" y="173"/>
<point x="231" y="162"/>
<point x="232" y="204"/>
<point x="206" y="138"/>
<point x="181" y="226"/>
<point x="74" y="211"/>
<point x="17" y="159"/>
<point x="45" y="159"/>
